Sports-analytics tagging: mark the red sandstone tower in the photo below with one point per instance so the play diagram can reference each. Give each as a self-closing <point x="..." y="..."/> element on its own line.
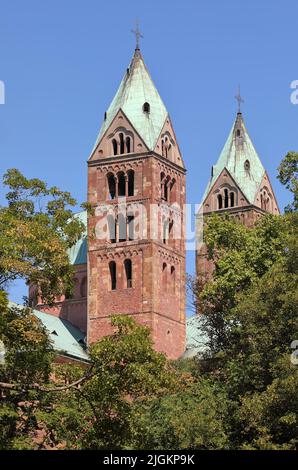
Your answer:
<point x="239" y="186"/>
<point x="136" y="185"/>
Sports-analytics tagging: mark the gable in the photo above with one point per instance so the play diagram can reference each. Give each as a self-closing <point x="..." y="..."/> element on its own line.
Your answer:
<point x="119" y="125"/>
<point x="265" y="197"/>
<point x="222" y="182"/>
<point x="167" y="145"/>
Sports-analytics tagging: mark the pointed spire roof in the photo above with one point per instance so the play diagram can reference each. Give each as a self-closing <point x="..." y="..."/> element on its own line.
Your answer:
<point x="137" y="88"/>
<point x="240" y="158"/>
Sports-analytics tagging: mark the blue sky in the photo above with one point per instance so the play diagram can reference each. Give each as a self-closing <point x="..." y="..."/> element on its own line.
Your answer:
<point x="62" y="61"/>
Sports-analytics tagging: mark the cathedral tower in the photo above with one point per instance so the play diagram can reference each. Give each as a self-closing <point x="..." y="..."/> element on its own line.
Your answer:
<point x="136" y="185"/>
<point x="239" y="186"/>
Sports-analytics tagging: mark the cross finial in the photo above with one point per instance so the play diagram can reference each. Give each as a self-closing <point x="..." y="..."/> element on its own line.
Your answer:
<point x="138" y="34"/>
<point x="238" y="97"/>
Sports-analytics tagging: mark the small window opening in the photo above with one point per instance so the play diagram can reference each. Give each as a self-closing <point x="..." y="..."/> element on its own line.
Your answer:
<point x="164" y="276"/>
<point x="121" y="185"/>
<point x="127" y="141"/>
<point x="226" y="198"/>
<point x="219" y="201"/>
<point x="232" y="196"/>
<point x="113" y="275"/>
<point x="128" y="273"/>
<point x="112" y="186"/>
<point x="115" y="146"/>
<point x="121" y="137"/>
<point x="146" y="107"/>
<point x="131" y="177"/>
<point x="131" y="228"/>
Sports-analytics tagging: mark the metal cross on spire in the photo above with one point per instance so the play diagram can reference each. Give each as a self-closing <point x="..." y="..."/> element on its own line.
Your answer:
<point x="239" y="99"/>
<point x="138" y="34"/>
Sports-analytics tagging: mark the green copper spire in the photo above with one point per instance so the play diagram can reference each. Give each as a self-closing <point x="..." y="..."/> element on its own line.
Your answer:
<point x="240" y="158"/>
<point x="137" y="88"/>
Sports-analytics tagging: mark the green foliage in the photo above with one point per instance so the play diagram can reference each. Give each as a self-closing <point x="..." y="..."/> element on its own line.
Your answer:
<point x="241" y="256"/>
<point x="36" y="229"/>
<point x="288" y="176"/>
<point x="250" y="316"/>
<point x="193" y="418"/>
<point x="27" y="361"/>
<point x="27" y="347"/>
<point x="126" y="368"/>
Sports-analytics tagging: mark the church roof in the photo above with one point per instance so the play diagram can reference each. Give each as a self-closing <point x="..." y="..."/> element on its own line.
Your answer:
<point x="78" y="252"/>
<point x="137" y="88"/>
<point x="196" y="338"/>
<point x="237" y="150"/>
<point x="65" y="337"/>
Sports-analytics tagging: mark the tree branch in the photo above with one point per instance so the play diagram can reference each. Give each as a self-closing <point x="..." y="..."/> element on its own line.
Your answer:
<point x="9" y="386"/>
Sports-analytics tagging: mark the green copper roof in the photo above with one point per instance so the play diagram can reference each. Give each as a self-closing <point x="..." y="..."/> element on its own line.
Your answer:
<point x="196" y="338"/>
<point x="237" y="150"/>
<point x="136" y="89"/>
<point x="78" y="252"/>
<point x="64" y="336"/>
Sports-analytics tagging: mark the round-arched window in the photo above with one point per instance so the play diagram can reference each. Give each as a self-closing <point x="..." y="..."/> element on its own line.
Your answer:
<point x="146" y="107"/>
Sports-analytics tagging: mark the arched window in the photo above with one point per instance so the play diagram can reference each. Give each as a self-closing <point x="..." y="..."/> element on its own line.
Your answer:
<point x="219" y="201"/>
<point x="226" y="193"/>
<point x="122" y="227"/>
<point x="113" y="275"/>
<point x="111" y="186"/>
<point x="83" y="287"/>
<point x="115" y="146"/>
<point x="131" y="177"/>
<point x="166" y="188"/>
<point x="112" y="228"/>
<point x="171" y="225"/>
<point x="121" y="138"/>
<point x="162" y="183"/>
<point x="173" y="278"/>
<point x="164" y="276"/>
<point x="238" y="133"/>
<point x="127" y="141"/>
<point x="247" y="165"/>
<point x="128" y="272"/>
<point x="165" y="230"/>
<point x="121" y="184"/>
<point x="131" y="227"/>
<point x="146" y="107"/>
<point x="232" y="199"/>
<point x="166" y="147"/>
<point x="166" y="191"/>
<point x="162" y="147"/>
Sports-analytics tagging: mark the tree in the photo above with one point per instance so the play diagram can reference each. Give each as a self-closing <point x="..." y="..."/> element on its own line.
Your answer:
<point x="240" y="255"/>
<point x="193" y="418"/>
<point x="27" y="361"/>
<point x="288" y="176"/>
<point x="36" y="228"/>
<point x="74" y="408"/>
<point x="250" y="316"/>
<point x="126" y="368"/>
